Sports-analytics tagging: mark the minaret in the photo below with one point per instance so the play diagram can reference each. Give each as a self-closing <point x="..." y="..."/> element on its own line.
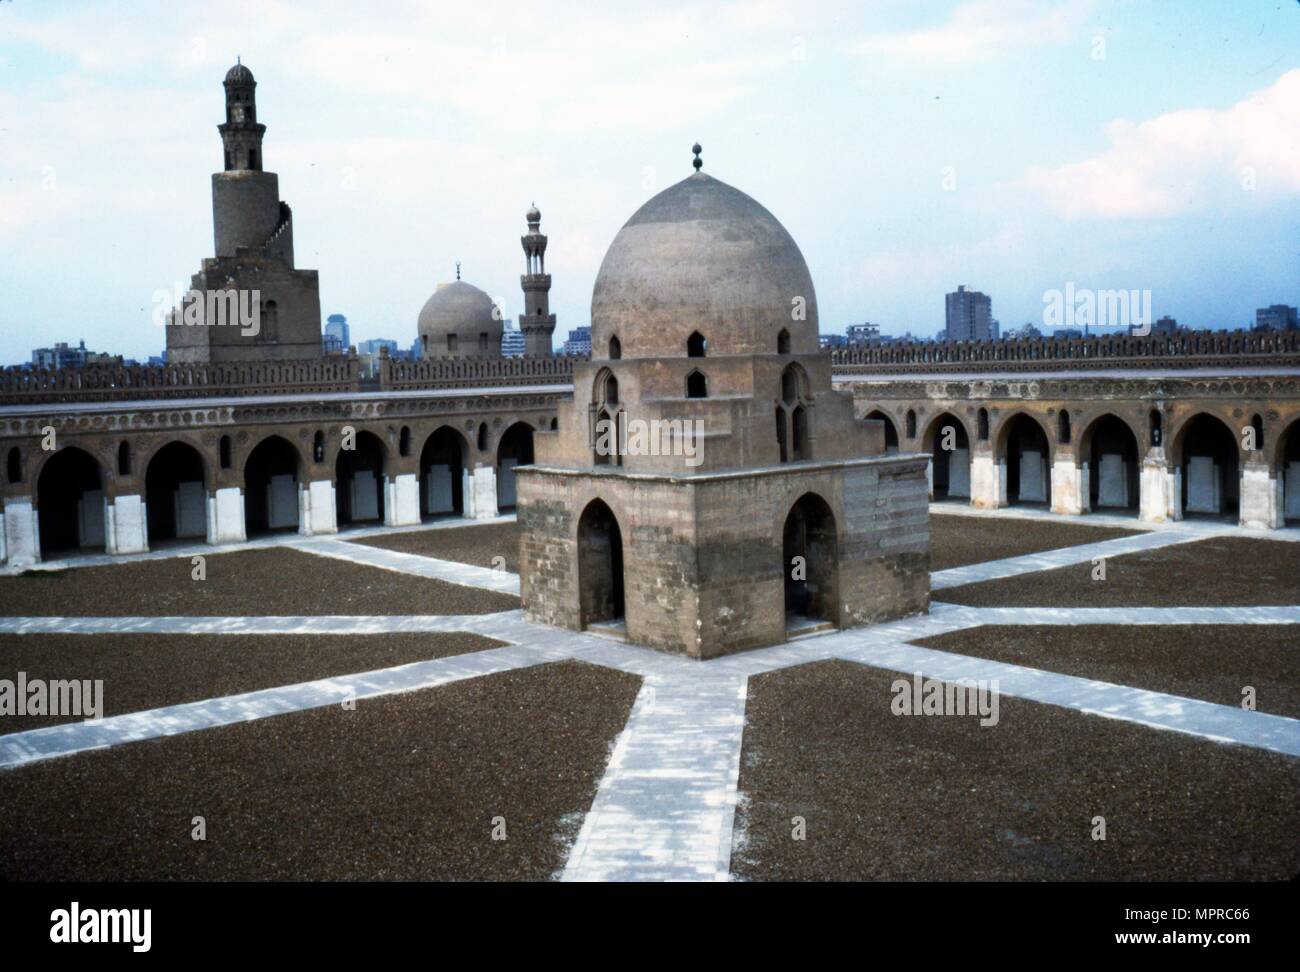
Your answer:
<point x="241" y="135"/>
<point x="537" y="322"/>
<point x="246" y="206"/>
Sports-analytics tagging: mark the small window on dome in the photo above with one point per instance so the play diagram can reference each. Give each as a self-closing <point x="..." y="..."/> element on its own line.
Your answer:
<point x="697" y="386"/>
<point x="615" y="349"/>
<point x="696" y="345"/>
<point x="452" y="344"/>
<point x="783" y="342"/>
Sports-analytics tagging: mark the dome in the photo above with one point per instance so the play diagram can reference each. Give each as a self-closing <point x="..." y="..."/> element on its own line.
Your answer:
<point x="463" y="312"/>
<point x="534" y="215"/>
<point x="702" y="256"/>
<point x="239" y="75"/>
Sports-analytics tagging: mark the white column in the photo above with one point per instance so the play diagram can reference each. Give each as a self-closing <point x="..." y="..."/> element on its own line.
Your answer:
<point x="480" y="493"/>
<point x="1160" y="490"/>
<point x="226" y="516"/>
<point x="22" y="539"/>
<point x="319" y="511"/>
<point x="402" y="500"/>
<point x="127" y="526"/>
<point x="1261" y="498"/>
<point x="988" y="482"/>
<point x="1069" y="486"/>
<point x="929" y="476"/>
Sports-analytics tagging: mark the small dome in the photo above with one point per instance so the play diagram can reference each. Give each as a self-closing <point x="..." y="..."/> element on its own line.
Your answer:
<point x="703" y="256"/>
<point x="465" y="313"/>
<point x="239" y="75"/>
<point x="534" y="215"/>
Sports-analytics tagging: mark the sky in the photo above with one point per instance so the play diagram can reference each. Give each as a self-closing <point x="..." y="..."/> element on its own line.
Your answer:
<point x="1014" y="146"/>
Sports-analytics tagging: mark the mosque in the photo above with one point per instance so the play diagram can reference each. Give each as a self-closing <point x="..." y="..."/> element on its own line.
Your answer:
<point x="777" y="504"/>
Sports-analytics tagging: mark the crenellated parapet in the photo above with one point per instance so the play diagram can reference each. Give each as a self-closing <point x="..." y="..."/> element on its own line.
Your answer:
<point x="1191" y="349"/>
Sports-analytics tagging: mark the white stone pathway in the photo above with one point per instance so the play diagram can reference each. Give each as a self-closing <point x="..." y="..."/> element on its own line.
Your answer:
<point x="665" y="806"/>
<point x="1062" y="557"/>
<point x="450" y="571"/>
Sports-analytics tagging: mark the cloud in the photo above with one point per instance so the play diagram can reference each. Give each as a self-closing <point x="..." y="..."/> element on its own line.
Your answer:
<point x="980" y="31"/>
<point x="1185" y="161"/>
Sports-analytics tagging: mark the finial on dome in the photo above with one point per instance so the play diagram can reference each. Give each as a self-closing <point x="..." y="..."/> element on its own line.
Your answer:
<point x="697" y="150"/>
<point x="457" y="269"/>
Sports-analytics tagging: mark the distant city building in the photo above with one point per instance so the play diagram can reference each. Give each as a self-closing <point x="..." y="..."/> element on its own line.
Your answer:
<point x="862" y="333"/>
<point x="63" y="355"/>
<point x="1277" y="317"/>
<point x="968" y="314"/>
<point x="513" y="344"/>
<point x="1067" y="332"/>
<point x="995" y="331"/>
<point x="372" y="347"/>
<point x="1165" y="327"/>
<point x="579" y="342"/>
<point x="338" y="336"/>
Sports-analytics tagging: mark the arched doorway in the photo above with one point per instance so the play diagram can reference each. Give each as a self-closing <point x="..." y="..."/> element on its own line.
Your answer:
<point x="70" y="503"/>
<point x="600" y="565"/>
<point x="175" y="494"/>
<point x="359" y="481"/>
<point x="442" y="483"/>
<point x="949" y="449"/>
<point x="1207" y="454"/>
<point x="891" y="430"/>
<point x="1110" y="448"/>
<point x="1025" y="451"/>
<point x="810" y="554"/>
<point x="271" y="487"/>
<point x="515" y="449"/>
<point x="1289" y="472"/>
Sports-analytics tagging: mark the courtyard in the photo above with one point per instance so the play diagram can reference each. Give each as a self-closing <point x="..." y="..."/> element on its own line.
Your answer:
<point x="372" y="705"/>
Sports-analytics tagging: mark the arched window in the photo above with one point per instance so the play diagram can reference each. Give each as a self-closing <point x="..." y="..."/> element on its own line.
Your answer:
<point x="1063" y="427"/>
<point x="223" y="451"/>
<point x="270" y="324"/>
<point x="783" y="342"/>
<point x="609" y="391"/>
<point x="794" y="385"/>
<point x="482" y="436"/>
<point x="615" y="348"/>
<point x="982" y="424"/>
<point x="124" y="460"/>
<point x="404" y="441"/>
<point x="1257" y="424"/>
<point x="697" y="386"/>
<point x="318" y="447"/>
<point x="14" y="466"/>
<point x="1155" y="420"/>
<point x="911" y="423"/>
<point x="696" y="345"/>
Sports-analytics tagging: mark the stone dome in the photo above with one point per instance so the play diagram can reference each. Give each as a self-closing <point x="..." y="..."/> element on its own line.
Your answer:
<point x="534" y="215"/>
<point x="461" y="311"/>
<point x="702" y="256"/>
<point x="239" y="75"/>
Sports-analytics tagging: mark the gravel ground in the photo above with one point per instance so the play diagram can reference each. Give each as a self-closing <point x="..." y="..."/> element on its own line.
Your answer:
<point x="958" y="540"/>
<point x="1209" y="662"/>
<point x="1221" y="571"/>
<point x="890" y="797"/>
<point x="466" y="545"/>
<point x="246" y="583"/>
<point x="148" y="671"/>
<point x="402" y="788"/>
